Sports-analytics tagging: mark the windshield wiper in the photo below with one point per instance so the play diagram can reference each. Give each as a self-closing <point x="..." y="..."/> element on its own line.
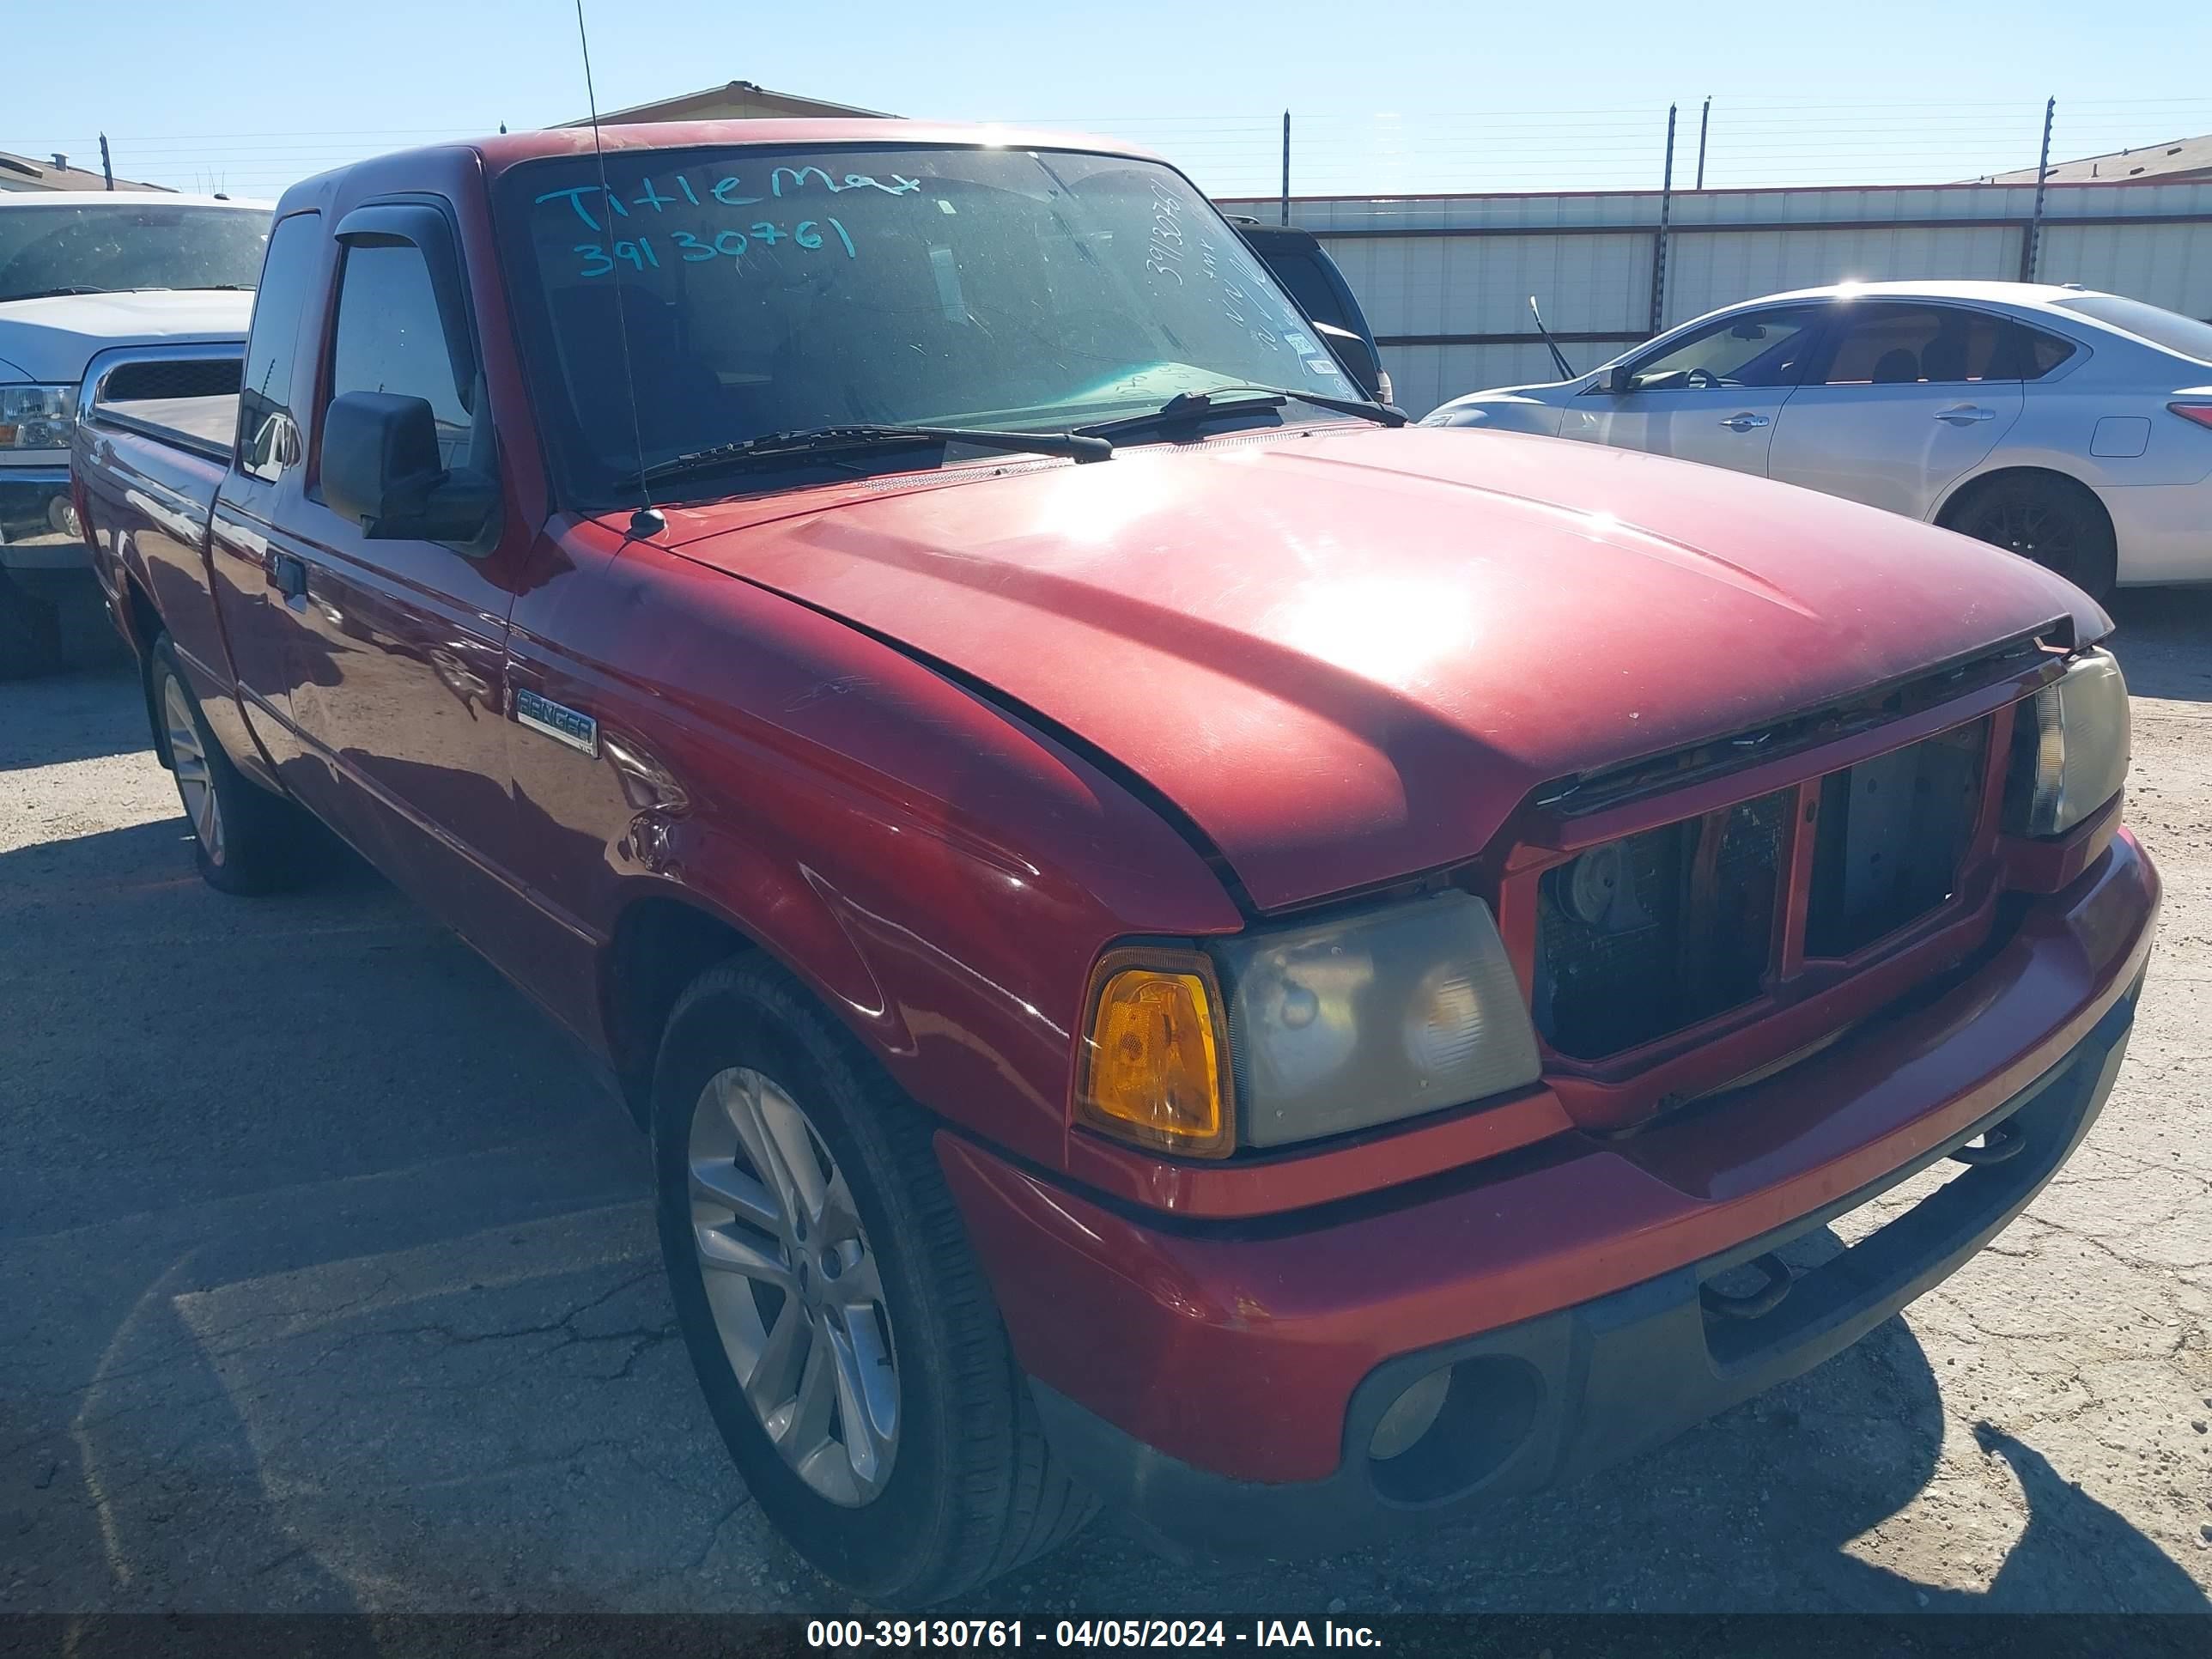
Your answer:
<point x="52" y="292"/>
<point x="1190" y="408"/>
<point x="810" y="440"/>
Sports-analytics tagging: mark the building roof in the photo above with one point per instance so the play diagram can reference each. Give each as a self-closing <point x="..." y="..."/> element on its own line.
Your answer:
<point x="21" y="172"/>
<point x="740" y="101"/>
<point x="2176" y="160"/>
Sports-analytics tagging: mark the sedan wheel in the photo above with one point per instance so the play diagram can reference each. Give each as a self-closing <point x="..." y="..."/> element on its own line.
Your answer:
<point x="2052" y="520"/>
<point x="795" y="1287"/>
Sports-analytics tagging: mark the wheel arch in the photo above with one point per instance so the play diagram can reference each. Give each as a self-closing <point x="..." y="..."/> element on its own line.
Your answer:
<point x="660" y="943"/>
<point x="1965" y="489"/>
<point x="143" y="625"/>
<point x="663" y="939"/>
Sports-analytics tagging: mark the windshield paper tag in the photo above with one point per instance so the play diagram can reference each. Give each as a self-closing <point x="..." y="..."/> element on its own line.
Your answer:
<point x="1321" y="366"/>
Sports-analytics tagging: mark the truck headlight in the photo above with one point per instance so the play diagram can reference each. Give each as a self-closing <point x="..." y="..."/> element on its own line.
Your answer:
<point x="2069" y="747"/>
<point x="36" y="416"/>
<point x="1292" y="1033"/>
<point x="1371" y="1017"/>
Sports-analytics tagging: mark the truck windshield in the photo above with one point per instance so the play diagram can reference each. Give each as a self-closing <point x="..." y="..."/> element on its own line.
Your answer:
<point x="134" y="244"/>
<point x="767" y="289"/>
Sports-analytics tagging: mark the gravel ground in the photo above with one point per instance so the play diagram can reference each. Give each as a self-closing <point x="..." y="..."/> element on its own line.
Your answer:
<point x="331" y="1286"/>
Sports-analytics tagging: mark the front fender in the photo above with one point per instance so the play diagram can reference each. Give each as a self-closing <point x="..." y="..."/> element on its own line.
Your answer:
<point x="942" y="874"/>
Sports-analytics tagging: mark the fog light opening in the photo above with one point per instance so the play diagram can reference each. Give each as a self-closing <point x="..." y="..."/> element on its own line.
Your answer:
<point x="1412" y="1415"/>
<point x="1453" y="1429"/>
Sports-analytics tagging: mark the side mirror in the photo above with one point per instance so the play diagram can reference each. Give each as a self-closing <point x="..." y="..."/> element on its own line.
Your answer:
<point x="1355" y="358"/>
<point x="1615" y="380"/>
<point x="381" y="469"/>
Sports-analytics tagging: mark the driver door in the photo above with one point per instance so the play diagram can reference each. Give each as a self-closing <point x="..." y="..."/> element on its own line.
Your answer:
<point x="1712" y="395"/>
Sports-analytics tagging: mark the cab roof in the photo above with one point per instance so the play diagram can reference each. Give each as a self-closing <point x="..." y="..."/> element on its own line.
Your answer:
<point x="508" y="150"/>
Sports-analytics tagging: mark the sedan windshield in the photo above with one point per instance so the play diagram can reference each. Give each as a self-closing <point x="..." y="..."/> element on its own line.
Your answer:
<point x="132" y="245"/>
<point x="765" y="290"/>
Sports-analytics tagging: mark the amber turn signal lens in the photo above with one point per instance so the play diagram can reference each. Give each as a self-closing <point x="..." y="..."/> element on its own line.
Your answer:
<point x="1152" y="1066"/>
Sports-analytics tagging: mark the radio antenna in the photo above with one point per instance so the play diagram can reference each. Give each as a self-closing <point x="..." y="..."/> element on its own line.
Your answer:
<point x="648" y="519"/>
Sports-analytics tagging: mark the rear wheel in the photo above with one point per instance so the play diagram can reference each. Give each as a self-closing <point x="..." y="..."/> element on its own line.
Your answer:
<point x="245" y="840"/>
<point x="2058" y="523"/>
<point x="840" y="1325"/>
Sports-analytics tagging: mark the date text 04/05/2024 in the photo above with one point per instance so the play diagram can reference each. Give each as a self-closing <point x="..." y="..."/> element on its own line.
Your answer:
<point x="832" y="1633"/>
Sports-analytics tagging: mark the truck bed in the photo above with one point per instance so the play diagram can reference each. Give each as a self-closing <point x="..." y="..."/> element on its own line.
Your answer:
<point x="147" y="472"/>
<point x="204" y="426"/>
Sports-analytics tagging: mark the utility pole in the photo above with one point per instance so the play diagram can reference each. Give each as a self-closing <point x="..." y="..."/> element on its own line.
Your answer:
<point x="1705" y="119"/>
<point x="1287" y="166"/>
<point x="106" y="166"/>
<point x="2030" y="244"/>
<point x="1659" y="242"/>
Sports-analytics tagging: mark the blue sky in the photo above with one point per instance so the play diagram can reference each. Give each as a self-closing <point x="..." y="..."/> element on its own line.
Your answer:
<point x="1410" y="95"/>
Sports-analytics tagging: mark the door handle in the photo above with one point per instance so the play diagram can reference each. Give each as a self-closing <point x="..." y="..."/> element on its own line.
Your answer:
<point x="287" y="575"/>
<point x="1746" y="421"/>
<point x="1965" y="414"/>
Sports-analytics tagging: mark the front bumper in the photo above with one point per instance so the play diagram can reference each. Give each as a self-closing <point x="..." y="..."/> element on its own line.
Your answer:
<point x="1556" y="1398"/>
<point x="1223" y="1381"/>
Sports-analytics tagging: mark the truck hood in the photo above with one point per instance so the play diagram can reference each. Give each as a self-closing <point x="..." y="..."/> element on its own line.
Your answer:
<point x="53" y="339"/>
<point x="1349" y="655"/>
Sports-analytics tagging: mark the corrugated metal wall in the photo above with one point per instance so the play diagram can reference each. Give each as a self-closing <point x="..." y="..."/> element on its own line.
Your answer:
<point x="1446" y="280"/>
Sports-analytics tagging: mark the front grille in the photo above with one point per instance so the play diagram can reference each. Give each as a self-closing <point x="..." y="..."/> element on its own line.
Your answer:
<point x="182" y="377"/>
<point x="1685" y="934"/>
<point x="1892" y="832"/>
<point x="1645" y="936"/>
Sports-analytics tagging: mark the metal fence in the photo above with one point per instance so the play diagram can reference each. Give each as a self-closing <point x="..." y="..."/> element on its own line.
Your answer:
<point x="1446" y="279"/>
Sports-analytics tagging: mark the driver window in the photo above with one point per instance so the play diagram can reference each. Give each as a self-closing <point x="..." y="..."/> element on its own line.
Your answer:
<point x="1758" y="348"/>
<point x="390" y="338"/>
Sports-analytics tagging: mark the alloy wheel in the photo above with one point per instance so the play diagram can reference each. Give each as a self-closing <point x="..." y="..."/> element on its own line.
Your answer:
<point x="794" y="1286"/>
<point x="188" y="757"/>
<point x="2034" y="528"/>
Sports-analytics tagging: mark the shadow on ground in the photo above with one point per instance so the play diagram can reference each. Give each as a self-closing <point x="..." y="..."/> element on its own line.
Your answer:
<point x="2163" y="632"/>
<point x="85" y="714"/>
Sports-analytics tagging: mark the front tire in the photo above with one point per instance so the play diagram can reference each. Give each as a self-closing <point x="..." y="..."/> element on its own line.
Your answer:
<point x="840" y="1325"/>
<point x="245" y="840"/>
<point x="2058" y="523"/>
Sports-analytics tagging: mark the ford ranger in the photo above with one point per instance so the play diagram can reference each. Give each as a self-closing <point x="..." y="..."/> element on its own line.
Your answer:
<point x="1183" y="944"/>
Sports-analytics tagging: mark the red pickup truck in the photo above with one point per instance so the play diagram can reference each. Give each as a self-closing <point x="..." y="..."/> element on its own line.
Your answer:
<point x="1181" y="943"/>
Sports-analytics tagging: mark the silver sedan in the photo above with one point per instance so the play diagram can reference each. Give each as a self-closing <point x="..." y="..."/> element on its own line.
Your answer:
<point x="2072" y="426"/>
